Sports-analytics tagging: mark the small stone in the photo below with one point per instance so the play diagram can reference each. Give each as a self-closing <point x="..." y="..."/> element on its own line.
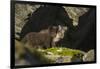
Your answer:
<point x="89" y="56"/>
<point x="63" y="59"/>
<point x="76" y="58"/>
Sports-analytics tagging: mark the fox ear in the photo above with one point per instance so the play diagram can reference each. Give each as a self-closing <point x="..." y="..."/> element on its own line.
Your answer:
<point x="59" y="27"/>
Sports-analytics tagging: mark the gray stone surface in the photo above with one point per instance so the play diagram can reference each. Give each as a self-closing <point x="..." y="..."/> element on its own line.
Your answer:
<point x="89" y="56"/>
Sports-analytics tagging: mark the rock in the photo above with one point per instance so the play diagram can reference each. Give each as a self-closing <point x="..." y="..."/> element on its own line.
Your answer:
<point x="52" y="57"/>
<point x="89" y="56"/>
<point x="22" y="12"/>
<point x="85" y="35"/>
<point x="21" y="62"/>
<point x="63" y="59"/>
<point x="77" y="58"/>
<point x="75" y="12"/>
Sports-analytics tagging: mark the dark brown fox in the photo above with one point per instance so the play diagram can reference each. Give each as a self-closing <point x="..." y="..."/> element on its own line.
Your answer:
<point x="45" y="38"/>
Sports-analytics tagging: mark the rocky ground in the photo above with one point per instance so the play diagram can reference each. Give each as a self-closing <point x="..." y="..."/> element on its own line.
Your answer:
<point x="26" y="55"/>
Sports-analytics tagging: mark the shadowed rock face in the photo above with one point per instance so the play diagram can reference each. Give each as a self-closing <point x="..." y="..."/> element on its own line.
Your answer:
<point x="85" y="36"/>
<point x="45" y="16"/>
<point x="75" y="12"/>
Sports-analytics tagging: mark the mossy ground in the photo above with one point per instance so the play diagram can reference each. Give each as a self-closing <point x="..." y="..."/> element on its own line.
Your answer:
<point x="49" y="55"/>
<point x="63" y="51"/>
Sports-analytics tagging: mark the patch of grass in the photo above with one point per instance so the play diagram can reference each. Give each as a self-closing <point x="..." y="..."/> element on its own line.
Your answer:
<point x="63" y="51"/>
<point x="48" y="55"/>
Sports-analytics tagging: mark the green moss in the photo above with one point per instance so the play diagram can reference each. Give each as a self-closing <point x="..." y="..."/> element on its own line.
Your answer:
<point x="63" y="51"/>
<point x="50" y="55"/>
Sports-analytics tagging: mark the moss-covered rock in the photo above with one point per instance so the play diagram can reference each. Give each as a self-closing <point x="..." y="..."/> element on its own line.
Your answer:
<point x="61" y="54"/>
<point x="47" y="56"/>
